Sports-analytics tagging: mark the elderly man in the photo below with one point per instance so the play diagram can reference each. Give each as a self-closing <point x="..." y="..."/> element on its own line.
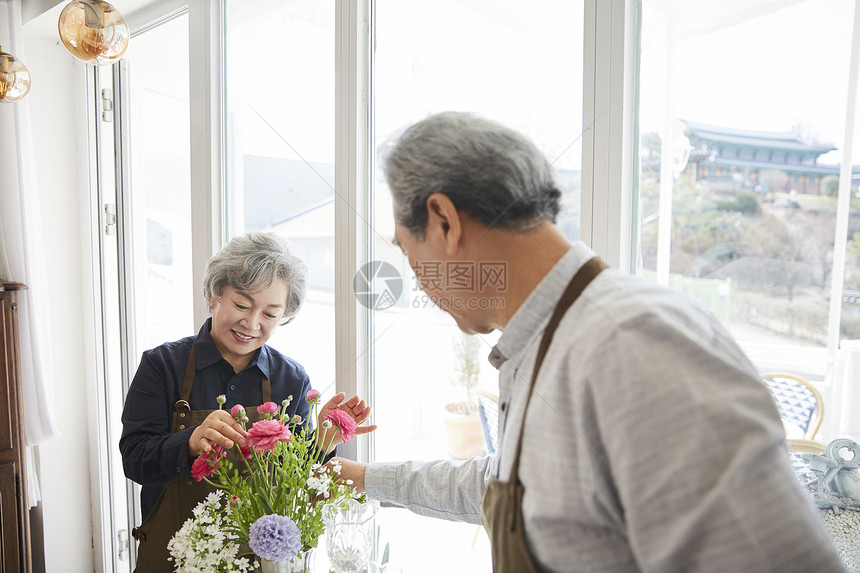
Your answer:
<point x="634" y="433"/>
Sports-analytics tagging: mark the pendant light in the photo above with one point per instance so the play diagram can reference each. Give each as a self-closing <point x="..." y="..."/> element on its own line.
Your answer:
<point x="93" y="31"/>
<point x="14" y="78"/>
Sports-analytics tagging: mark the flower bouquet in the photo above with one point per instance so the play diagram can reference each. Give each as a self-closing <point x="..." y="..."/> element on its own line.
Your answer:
<point x="269" y="504"/>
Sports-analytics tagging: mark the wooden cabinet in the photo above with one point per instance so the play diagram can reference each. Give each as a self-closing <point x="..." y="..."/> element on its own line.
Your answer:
<point x="14" y="509"/>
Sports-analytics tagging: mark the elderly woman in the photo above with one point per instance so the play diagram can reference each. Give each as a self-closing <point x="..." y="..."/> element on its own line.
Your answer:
<point x="253" y="285"/>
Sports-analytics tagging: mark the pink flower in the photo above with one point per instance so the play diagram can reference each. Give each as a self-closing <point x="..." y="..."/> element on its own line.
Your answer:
<point x="267" y="408"/>
<point x="207" y="464"/>
<point x="265" y="435"/>
<point x="344" y="423"/>
<point x="312" y="396"/>
<point x="237" y="410"/>
<point x="245" y="452"/>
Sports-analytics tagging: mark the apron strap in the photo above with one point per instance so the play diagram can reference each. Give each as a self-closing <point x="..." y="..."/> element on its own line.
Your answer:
<point x="580" y="280"/>
<point x="188" y="381"/>
<point x="267" y="390"/>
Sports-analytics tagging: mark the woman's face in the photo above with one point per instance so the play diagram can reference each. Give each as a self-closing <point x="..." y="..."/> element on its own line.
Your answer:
<point x="242" y="322"/>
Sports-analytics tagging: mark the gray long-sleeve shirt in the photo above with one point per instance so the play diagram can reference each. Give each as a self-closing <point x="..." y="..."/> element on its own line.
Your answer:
<point x="650" y="444"/>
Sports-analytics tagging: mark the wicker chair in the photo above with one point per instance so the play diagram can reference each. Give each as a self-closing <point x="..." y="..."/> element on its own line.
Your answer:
<point x="798" y="401"/>
<point x="800" y="406"/>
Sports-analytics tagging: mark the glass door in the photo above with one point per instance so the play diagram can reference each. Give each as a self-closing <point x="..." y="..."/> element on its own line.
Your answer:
<point x="156" y="210"/>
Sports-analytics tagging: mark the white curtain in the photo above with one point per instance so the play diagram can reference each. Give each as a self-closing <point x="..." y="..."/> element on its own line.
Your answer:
<point x="22" y="252"/>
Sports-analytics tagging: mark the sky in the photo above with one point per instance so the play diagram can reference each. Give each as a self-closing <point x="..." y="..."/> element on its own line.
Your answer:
<point x="784" y="68"/>
<point x="761" y="65"/>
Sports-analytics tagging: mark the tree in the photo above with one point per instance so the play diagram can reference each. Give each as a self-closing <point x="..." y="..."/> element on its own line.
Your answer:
<point x="745" y="202"/>
<point x="467" y="368"/>
<point x="773" y="240"/>
<point x="830" y="185"/>
<point x="819" y="229"/>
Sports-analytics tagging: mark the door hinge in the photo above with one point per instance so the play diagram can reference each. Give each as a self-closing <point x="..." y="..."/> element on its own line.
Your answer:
<point x="107" y="105"/>
<point x="122" y="544"/>
<point x="110" y="219"/>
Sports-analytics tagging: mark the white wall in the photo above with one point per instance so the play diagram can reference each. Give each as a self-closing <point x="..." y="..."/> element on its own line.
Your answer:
<point x="57" y="102"/>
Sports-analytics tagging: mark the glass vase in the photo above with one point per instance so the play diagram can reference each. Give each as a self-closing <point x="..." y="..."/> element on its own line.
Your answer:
<point x="302" y="563"/>
<point x="349" y="535"/>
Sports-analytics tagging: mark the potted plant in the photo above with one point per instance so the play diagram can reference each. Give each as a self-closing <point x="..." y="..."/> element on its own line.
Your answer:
<point x="462" y="423"/>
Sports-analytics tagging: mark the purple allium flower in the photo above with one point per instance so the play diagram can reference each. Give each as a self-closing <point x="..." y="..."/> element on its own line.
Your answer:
<point x="275" y="537"/>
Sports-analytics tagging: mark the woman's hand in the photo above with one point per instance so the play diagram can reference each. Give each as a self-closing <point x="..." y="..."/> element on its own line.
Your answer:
<point x="356" y="408"/>
<point x="218" y="429"/>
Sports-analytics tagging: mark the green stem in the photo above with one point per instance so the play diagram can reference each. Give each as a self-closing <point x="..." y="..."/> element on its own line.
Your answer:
<point x="331" y="440"/>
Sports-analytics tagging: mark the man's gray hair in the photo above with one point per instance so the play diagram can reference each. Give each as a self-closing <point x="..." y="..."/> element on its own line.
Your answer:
<point x="487" y="170"/>
<point x="253" y="262"/>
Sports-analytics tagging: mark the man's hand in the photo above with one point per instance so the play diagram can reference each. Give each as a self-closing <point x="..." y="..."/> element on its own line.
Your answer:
<point x="351" y="470"/>
<point x="218" y="429"/>
<point x="357" y="409"/>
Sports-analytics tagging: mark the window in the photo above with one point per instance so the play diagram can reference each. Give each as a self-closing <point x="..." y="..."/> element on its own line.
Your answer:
<point x="514" y="62"/>
<point x="280" y="154"/>
<point x="757" y="247"/>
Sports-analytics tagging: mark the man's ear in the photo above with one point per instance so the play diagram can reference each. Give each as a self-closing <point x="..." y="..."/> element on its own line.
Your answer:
<point x="443" y="223"/>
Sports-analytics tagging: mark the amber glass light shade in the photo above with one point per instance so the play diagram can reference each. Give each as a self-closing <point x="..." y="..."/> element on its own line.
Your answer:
<point x="14" y="78"/>
<point x="93" y="31"/>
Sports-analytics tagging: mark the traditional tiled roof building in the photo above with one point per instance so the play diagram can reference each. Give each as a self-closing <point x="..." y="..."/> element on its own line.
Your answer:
<point x="727" y="154"/>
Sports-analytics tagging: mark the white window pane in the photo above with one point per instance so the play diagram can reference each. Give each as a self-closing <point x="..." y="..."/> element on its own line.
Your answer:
<point x="280" y="156"/>
<point x="160" y="183"/>
<point x="514" y="62"/>
<point x="742" y="111"/>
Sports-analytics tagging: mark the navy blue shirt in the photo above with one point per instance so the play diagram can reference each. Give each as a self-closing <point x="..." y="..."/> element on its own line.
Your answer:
<point x="151" y="454"/>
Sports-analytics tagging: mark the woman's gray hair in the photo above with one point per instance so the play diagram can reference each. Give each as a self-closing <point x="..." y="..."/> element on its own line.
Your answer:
<point x="487" y="170"/>
<point x="253" y="262"/>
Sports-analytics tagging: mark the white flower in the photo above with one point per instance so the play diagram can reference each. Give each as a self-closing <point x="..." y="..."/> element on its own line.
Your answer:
<point x="320" y="484"/>
<point x="202" y="546"/>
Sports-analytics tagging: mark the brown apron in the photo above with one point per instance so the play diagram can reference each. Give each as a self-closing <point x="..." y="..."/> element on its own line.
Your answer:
<point x="501" y="509"/>
<point x="179" y="497"/>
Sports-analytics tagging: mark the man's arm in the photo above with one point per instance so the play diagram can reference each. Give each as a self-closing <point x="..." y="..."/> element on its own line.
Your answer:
<point x="446" y="489"/>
